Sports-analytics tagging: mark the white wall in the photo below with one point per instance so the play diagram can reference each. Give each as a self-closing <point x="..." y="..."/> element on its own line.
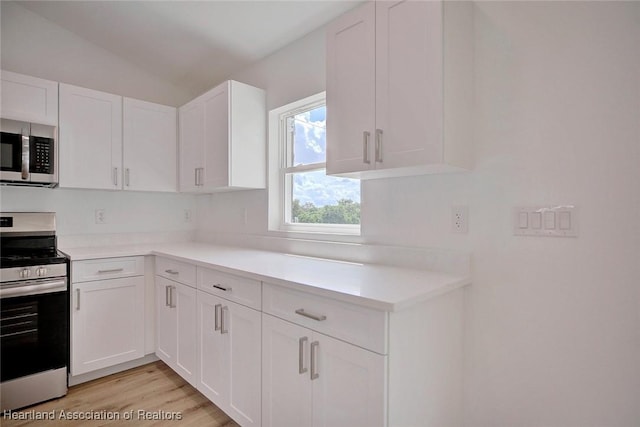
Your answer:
<point x="38" y="47"/>
<point x="125" y="211"/>
<point x="553" y="332"/>
<point x="35" y="46"/>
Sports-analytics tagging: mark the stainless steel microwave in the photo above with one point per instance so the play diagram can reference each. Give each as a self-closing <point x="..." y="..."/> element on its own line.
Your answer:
<point x="28" y="155"/>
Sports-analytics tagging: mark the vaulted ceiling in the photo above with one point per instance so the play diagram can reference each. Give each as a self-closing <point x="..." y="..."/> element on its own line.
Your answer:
<point x="187" y="43"/>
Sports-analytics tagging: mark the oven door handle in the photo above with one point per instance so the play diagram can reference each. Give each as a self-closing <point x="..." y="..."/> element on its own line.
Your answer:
<point x="34" y="288"/>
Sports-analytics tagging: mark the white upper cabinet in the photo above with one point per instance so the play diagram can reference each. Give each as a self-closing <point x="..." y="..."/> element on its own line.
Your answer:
<point x="223" y="139"/>
<point x="149" y="145"/>
<point x="29" y="99"/>
<point x="90" y="138"/>
<point x="399" y="89"/>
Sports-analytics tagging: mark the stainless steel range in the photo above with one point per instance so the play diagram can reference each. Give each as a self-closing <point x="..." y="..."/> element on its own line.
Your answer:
<point x="34" y="322"/>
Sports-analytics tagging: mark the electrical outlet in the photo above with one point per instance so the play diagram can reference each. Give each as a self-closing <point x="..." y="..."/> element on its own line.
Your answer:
<point x="101" y="216"/>
<point x="187" y="215"/>
<point x="460" y="219"/>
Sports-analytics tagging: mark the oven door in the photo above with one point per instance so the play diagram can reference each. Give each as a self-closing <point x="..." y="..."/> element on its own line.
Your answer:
<point x="34" y="327"/>
<point x="14" y="156"/>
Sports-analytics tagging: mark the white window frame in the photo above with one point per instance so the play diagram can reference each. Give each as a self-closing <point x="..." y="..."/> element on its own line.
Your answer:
<point x="280" y="182"/>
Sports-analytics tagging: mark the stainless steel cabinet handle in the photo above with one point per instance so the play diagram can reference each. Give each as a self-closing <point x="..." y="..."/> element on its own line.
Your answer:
<point x="171" y="301"/>
<point x="115" y="176"/>
<point x="365" y="147"/>
<point x="126" y="177"/>
<point x="379" y="145"/>
<point x="166" y="296"/>
<point x="301" y="368"/>
<point x="195" y="177"/>
<point x="222" y="329"/>
<point x="318" y="317"/>
<point x="113" y="270"/>
<point x="314" y="361"/>
<point x="199" y="176"/>
<point x="172" y="272"/>
<point x="216" y="316"/>
<point x="222" y="288"/>
<point x="77" y="298"/>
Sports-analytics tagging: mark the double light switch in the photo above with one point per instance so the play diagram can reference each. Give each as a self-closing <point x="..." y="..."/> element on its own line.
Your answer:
<point x="559" y="221"/>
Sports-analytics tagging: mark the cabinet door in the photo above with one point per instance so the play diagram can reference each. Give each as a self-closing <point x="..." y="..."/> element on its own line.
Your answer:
<point x="107" y="323"/>
<point x="149" y="144"/>
<point x="351" y="91"/>
<point x="409" y="96"/>
<point x="166" y="332"/>
<point x="191" y="117"/>
<point x="183" y="299"/>
<point x="29" y="99"/>
<point x="286" y="385"/>
<point x="90" y="138"/>
<point x="216" y="137"/>
<point x="214" y="356"/>
<point x="230" y="351"/>
<point x="348" y="385"/>
<point x="243" y="340"/>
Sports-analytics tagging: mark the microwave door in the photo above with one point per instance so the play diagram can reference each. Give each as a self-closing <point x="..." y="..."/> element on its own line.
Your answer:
<point x="11" y="156"/>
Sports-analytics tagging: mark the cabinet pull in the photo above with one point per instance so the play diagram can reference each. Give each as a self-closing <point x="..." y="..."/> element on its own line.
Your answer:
<point x="318" y="317"/>
<point x="172" y="272"/>
<point x="112" y="270"/>
<point x="301" y="368"/>
<point x="126" y="177"/>
<point x="166" y="296"/>
<point x="216" y="316"/>
<point x="379" y="145"/>
<point x="171" y="301"/>
<point x="195" y="178"/>
<point x="115" y="176"/>
<point x="222" y="329"/>
<point x="77" y="298"/>
<point x="199" y="176"/>
<point x="365" y="147"/>
<point x="222" y="288"/>
<point x="314" y="355"/>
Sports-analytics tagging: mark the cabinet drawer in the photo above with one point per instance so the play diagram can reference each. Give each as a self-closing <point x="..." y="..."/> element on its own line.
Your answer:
<point x="176" y="270"/>
<point x="234" y="288"/>
<point x="354" y="324"/>
<point x="106" y="268"/>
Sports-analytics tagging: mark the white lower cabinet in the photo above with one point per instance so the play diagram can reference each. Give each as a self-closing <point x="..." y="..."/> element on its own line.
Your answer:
<point x="229" y="357"/>
<point x="310" y="379"/>
<point x="176" y="327"/>
<point x="107" y="315"/>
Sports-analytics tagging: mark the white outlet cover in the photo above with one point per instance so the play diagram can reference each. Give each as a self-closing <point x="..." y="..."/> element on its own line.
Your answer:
<point x="100" y="216"/>
<point x="460" y="219"/>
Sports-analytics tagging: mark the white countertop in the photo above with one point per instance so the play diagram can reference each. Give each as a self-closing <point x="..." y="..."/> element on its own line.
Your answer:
<point x="375" y="286"/>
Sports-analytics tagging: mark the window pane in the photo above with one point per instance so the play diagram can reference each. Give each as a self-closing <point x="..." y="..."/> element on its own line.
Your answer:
<point x="309" y="137"/>
<point x="321" y="199"/>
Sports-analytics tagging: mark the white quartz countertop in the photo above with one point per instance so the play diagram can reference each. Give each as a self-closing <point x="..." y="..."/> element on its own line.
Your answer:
<point x="375" y="286"/>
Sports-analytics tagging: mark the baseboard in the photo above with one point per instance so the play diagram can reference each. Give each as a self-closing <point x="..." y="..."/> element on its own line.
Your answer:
<point x="90" y="376"/>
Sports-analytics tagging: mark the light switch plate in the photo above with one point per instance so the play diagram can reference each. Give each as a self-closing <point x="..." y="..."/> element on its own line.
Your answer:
<point x="550" y="221"/>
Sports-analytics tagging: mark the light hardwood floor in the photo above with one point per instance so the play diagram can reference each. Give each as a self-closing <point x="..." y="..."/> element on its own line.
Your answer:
<point x="153" y="389"/>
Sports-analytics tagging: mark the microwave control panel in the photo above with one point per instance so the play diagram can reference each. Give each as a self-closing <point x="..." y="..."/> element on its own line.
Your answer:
<point x="41" y="154"/>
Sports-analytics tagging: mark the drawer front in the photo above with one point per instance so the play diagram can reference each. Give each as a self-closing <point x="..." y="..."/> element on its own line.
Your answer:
<point x="106" y="268"/>
<point x="176" y="270"/>
<point x="354" y="324"/>
<point x="243" y="291"/>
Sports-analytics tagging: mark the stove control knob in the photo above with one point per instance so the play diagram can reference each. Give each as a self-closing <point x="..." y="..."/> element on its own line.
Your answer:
<point x="25" y="273"/>
<point x="41" y="271"/>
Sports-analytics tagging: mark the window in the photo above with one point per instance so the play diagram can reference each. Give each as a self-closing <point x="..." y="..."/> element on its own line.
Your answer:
<point x="302" y="197"/>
